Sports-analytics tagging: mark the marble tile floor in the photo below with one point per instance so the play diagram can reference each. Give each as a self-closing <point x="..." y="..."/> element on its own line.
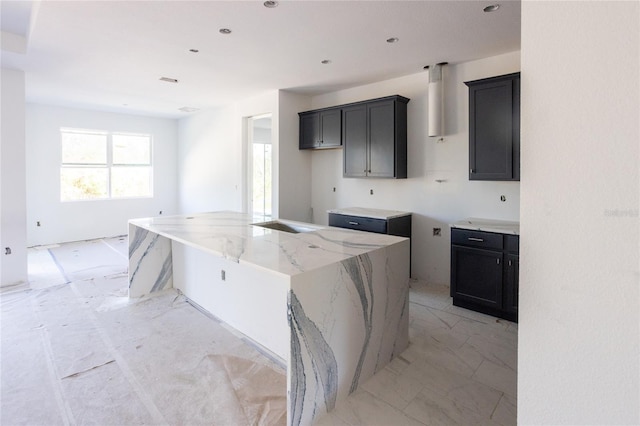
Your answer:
<point x="75" y="350"/>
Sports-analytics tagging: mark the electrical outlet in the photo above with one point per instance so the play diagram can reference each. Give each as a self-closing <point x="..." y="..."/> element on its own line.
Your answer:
<point x="371" y="191"/>
<point x="334" y="189"/>
<point x="223" y="275"/>
<point x="160" y="211"/>
<point x="437" y="232"/>
<point x="38" y="223"/>
<point x="7" y="250"/>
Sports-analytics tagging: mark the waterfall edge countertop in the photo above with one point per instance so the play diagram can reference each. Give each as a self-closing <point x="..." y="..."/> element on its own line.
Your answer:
<point x="370" y="213"/>
<point x="488" y="225"/>
<point x="331" y="303"/>
<point x="236" y="237"/>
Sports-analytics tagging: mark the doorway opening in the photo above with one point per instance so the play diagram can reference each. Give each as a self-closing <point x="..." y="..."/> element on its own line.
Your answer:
<point x="259" y="160"/>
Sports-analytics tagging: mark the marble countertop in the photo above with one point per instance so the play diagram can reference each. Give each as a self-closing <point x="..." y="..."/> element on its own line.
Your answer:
<point x="371" y="213"/>
<point x="233" y="236"/>
<point x="488" y="225"/>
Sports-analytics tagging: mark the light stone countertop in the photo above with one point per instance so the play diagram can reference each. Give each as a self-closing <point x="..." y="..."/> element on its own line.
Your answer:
<point x="370" y="213"/>
<point x="488" y="225"/>
<point x="233" y="236"/>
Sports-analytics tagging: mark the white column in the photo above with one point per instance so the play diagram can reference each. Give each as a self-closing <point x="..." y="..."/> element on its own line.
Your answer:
<point x="13" y="204"/>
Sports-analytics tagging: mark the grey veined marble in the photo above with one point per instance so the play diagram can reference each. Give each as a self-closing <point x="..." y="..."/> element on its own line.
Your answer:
<point x="330" y="303"/>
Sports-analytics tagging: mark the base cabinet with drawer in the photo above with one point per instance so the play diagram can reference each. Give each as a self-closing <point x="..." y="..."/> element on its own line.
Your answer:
<point x="399" y="226"/>
<point x="484" y="272"/>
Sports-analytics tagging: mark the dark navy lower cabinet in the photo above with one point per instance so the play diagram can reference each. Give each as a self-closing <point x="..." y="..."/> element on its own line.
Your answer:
<point x="484" y="272"/>
<point x="400" y="226"/>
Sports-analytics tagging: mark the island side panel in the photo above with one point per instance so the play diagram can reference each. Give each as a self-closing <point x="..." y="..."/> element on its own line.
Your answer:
<point x="150" y="262"/>
<point x="250" y="299"/>
<point x="347" y="322"/>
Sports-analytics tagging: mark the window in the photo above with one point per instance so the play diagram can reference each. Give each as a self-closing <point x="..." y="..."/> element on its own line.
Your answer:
<point x="102" y="165"/>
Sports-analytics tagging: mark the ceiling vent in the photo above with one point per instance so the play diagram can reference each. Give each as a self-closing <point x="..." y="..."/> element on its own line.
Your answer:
<point x="188" y="109"/>
<point x="168" y="80"/>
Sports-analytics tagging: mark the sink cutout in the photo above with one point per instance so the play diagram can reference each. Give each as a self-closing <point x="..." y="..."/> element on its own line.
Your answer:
<point x="292" y="228"/>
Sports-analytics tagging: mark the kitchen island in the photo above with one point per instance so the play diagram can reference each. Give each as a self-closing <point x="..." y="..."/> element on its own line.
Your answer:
<point x="331" y="303"/>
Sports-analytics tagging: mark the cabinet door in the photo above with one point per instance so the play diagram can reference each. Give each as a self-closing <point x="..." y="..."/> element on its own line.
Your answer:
<point x="354" y="137"/>
<point x="491" y="131"/>
<point x="331" y="128"/>
<point x="309" y="130"/>
<point x="381" y="139"/>
<point x="476" y="276"/>
<point x="511" y="284"/>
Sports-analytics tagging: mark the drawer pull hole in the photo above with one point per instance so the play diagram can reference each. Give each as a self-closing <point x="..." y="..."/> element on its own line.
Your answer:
<point x="480" y="240"/>
<point x="354" y="223"/>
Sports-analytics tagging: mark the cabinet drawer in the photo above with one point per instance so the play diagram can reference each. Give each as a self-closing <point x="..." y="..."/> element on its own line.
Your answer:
<point x="359" y="223"/>
<point x="479" y="239"/>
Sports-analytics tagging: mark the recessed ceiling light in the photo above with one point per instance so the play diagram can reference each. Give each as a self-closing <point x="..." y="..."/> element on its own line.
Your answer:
<point x="168" y="80"/>
<point x="188" y="109"/>
<point x="326" y="61"/>
<point x="270" y="4"/>
<point x="492" y="8"/>
<point x="393" y="40"/>
<point x="225" y="31"/>
<point x="193" y="50"/>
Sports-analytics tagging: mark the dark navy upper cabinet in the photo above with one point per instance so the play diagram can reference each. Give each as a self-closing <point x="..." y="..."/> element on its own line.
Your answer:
<point x="321" y="129"/>
<point x="354" y="133"/>
<point x="374" y="136"/>
<point x="494" y="128"/>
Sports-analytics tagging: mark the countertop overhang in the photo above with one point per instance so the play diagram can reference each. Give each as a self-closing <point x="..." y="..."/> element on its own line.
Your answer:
<point x="370" y="213"/>
<point x="488" y="225"/>
<point x="233" y="236"/>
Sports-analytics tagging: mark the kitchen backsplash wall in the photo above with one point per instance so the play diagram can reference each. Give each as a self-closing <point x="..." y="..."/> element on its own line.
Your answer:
<point x="434" y="204"/>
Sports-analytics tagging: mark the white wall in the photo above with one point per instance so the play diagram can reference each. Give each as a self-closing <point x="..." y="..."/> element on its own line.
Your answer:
<point x="579" y="330"/>
<point x="212" y="157"/>
<point x="210" y="162"/>
<point x="13" y="229"/>
<point x="81" y="220"/>
<point x="295" y="165"/>
<point x="433" y="204"/>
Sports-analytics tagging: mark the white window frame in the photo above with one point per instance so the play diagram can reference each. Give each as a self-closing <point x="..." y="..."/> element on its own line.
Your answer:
<point x="109" y="164"/>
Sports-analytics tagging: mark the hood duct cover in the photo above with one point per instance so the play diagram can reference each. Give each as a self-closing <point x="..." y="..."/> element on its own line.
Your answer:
<point x="436" y="101"/>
